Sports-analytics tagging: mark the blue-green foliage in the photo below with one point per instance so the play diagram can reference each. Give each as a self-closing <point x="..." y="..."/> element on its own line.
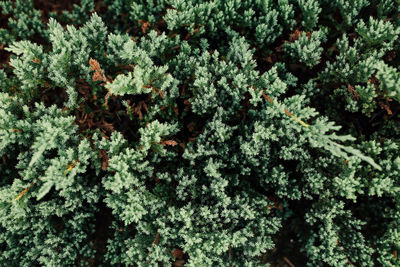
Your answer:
<point x="51" y="167"/>
<point x="307" y="49"/>
<point x="24" y="21"/>
<point x="150" y="129"/>
<point x="310" y="10"/>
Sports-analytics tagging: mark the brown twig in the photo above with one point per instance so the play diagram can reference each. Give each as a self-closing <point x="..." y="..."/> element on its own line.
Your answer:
<point x="24" y="192"/>
<point x="288" y="262"/>
<point x="285" y="110"/>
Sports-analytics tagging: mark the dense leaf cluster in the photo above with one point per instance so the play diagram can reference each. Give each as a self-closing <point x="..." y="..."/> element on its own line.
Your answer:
<point x="200" y="133"/>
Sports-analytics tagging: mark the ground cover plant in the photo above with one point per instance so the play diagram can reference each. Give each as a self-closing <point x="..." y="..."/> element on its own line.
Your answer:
<point x="200" y="133"/>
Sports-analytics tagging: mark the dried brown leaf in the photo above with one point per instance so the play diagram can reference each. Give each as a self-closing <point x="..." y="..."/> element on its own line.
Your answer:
<point x="178" y="253"/>
<point x="98" y="74"/>
<point x="169" y="143"/>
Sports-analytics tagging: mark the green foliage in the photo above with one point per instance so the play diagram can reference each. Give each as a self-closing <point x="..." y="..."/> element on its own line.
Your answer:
<point x="24" y="21"/>
<point x="361" y="69"/>
<point x="349" y="10"/>
<point x="79" y="15"/>
<point x="203" y="133"/>
<point x="310" y="10"/>
<point x="307" y="49"/>
<point x="45" y="143"/>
